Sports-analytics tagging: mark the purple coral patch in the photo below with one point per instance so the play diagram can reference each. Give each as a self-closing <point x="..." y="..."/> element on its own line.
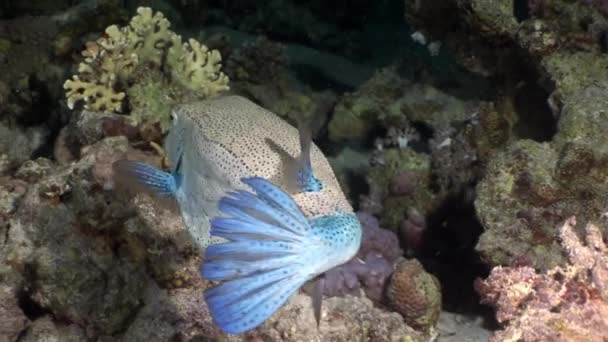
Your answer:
<point x="371" y="268"/>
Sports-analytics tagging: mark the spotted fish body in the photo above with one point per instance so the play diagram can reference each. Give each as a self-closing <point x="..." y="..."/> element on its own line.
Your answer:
<point x="261" y="246"/>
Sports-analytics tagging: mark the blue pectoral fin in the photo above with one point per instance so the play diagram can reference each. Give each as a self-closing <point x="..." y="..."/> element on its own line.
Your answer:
<point x="266" y="260"/>
<point x="299" y="172"/>
<point x="144" y="177"/>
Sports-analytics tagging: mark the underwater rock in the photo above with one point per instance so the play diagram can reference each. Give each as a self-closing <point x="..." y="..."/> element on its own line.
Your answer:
<point x="12" y="318"/>
<point x="179" y="314"/>
<point x="11" y="192"/>
<point x="172" y="256"/>
<point x="356" y="114"/>
<point x="531" y="187"/>
<point x="412" y="230"/>
<point x="519" y="203"/>
<point x="25" y="56"/>
<point x="455" y="162"/>
<point x="46" y="329"/>
<point x="565" y="303"/>
<point x="396" y="162"/>
<point x="415" y="294"/>
<point x="87" y="128"/>
<point x="33" y="170"/>
<point x="388" y="101"/>
<point x="60" y="235"/>
<point x="342" y="319"/>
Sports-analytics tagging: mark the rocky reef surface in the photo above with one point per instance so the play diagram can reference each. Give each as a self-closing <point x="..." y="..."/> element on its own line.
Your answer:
<point x="466" y="141"/>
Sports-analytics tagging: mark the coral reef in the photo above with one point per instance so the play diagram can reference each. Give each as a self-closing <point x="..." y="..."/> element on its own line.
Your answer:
<point x="399" y="169"/>
<point x="407" y="287"/>
<point x="415" y="294"/>
<point x="388" y="100"/>
<point x="530" y="187"/>
<point x="503" y="127"/>
<point x="144" y="68"/>
<point x="533" y="183"/>
<point x="101" y="264"/>
<point x="455" y="162"/>
<point x="342" y="319"/>
<point x="565" y="303"/>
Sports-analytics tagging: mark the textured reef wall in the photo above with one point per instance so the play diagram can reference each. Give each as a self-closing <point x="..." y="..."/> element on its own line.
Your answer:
<point x="463" y="155"/>
<point x="81" y="261"/>
<point x="532" y="186"/>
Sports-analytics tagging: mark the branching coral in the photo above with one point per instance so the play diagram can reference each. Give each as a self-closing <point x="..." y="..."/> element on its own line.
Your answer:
<point x="113" y="62"/>
<point x="197" y="68"/>
<point x="567" y="303"/>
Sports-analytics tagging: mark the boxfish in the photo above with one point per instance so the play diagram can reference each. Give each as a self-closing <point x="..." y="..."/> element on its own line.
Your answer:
<point x="260" y="201"/>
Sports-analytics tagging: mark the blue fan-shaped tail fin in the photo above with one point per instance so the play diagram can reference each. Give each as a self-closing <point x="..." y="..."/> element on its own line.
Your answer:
<point x="138" y="176"/>
<point x="269" y="255"/>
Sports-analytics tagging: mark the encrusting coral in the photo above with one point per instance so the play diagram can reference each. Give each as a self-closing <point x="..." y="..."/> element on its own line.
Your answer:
<point x="144" y="52"/>
<point x="567" y="303"/>
<point x="415" y="294"/>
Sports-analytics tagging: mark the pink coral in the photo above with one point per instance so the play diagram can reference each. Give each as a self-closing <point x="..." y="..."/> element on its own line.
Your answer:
<point x="567" y="303"/>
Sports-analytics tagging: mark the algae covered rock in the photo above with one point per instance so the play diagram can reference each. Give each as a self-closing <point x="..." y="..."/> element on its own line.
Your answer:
<point x="388" y="100"/>
<point x="45" y="329"/>
<point x="356" y="115"/>
<point x="59" y="235"/>
<point x="518" y="203"/>
<point x="12" y="318"/>
<point x="531" y="187"/>
<point x="394" y="164"/>
<point x="342" y="319"/>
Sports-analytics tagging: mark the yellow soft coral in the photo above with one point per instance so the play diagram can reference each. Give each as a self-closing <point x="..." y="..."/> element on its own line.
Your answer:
<point x="112" y="61"/>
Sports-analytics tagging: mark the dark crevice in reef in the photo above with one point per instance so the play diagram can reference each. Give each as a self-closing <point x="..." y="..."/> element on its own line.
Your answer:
<point x="448" y="252"/>
<point x="44" y="110"/>
<point x="521" y="10"/>
<point x="536" y="119"/>
<point x="358" y="186"/>
<point x="30" y="308"/>
<point x="529" y="93"/>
